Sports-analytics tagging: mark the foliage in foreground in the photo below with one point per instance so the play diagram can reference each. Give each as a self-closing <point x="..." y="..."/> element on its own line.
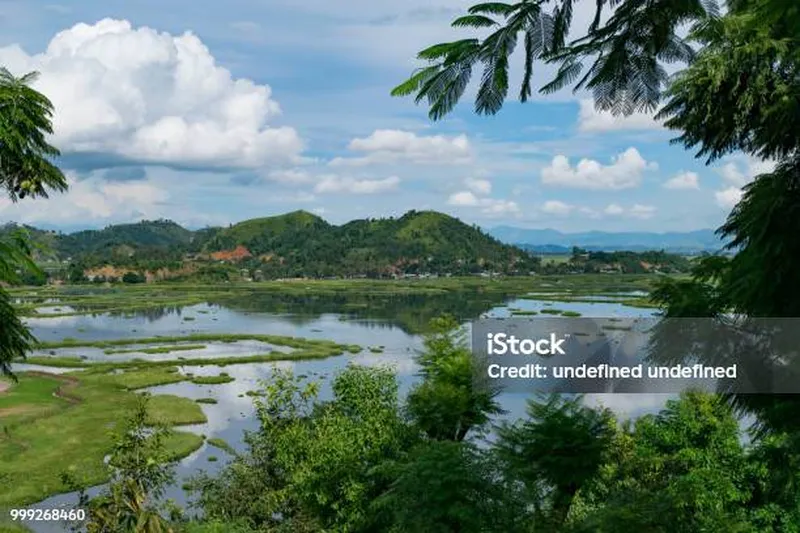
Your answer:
<point x="25" y="170"/>
<point x="362" y="461"/>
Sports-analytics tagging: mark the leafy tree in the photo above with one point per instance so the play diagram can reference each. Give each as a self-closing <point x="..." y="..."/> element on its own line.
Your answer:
<point x="26" y="170"/>
<point x="449" y="402"/>
<point x="682" y="470"/>
<point x="15" y="337"/>
<point x="738" y="92"/>
<point x="140" y="474"/>
<point x="446" y="486"/>
<point x="555" y="452"/>
<point x="133" y="277"/>
<point x="312" y="464"/>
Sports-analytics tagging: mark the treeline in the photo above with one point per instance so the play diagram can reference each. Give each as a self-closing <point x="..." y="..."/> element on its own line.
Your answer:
<point x="419" y="242"/>
<point x="625" y="262"/>
<point x="297" y="244"/>
<point x="367" y="461"/>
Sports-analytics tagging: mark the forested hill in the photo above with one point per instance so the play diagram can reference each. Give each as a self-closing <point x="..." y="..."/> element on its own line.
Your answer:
<point x="417" y="242"/>
<point x="297" y="244"/>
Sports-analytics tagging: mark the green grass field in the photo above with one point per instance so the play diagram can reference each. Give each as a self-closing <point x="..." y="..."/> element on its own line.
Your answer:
<point x="53" y="424"/>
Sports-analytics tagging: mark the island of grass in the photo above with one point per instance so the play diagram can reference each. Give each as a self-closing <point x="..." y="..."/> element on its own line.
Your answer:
<point x="207" y="400"/>
<point x="222" y="445"/>
<point x="300" y="349"/>
<point x="80" y="409"/>
<point x="552" y="311"/>
<point x="157" y="349"/>
<point x="212" y="380"/>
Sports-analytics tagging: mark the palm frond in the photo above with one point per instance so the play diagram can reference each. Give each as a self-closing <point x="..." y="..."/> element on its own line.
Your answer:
<point x="562" y="18"/>
<point x="492" y="8"/>
<point x="567" y="74"/>
<point x="474" y="21"/>
<point x="413" y="83"/>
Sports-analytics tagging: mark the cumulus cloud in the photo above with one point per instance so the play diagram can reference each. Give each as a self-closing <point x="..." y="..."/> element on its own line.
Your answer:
<point x="592" y="120"/>
<point x="624" y="172"/>
<point x="728" y="197"/>
<point x="91" y="199"/>
<point x="463" y="198"/>
<point x="639" y="211"/>
<point x="732" y="175"/>
<point x="683" y="181"/>
<point x="490" y="207"/>
<point x="479" y="186"/>
<point x="390" y="146"/>
<point x="556" y="207"/>
<point x="349" y="185"/>
<point x="737" y="173"/>
<point x="148" y="96"/>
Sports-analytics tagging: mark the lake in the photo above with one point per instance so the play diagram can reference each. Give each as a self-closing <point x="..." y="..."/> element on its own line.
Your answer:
<point x="394" y="329"/>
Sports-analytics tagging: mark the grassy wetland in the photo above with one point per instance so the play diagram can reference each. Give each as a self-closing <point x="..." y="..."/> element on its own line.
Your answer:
<point x="100" y="346"/>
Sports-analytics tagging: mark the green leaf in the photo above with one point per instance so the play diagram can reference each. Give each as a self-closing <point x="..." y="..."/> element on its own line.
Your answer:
<point x="473" y="21"/>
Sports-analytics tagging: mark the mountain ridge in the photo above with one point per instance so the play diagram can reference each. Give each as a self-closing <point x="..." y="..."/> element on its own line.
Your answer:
<point x="549" y="240"/>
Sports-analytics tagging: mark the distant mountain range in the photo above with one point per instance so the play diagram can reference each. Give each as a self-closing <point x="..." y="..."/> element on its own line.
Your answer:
<point x="550" y="241"/>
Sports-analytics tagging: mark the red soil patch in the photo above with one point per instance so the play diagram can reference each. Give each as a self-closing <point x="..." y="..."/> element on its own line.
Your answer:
<point x="237" y="254"/>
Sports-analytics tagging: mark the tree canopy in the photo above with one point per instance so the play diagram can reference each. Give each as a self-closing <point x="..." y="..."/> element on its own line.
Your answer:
<point x="26" y="170"/>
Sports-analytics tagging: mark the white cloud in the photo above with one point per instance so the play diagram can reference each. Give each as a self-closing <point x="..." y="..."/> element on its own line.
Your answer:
<point x="736" y="173"/>
<point x="624" y="172"/>
<point x="478" y="185"/>
<point x="498" y="208"/>
<point x="390" y="146"/>
<point x="728" y="197"/>
<point x="339" y="184"/>
<point x="463" y="198"/>
<point x="91" y="199"/>
<point x="642" y="211"/>
<point x="592" y="120"/>
<point x="153" y="97"/>
<point x="639" y="211"/>
<point x="683" y="181"/>
<point x="491" y="207"/>
<point x="556" y="207"/>
<point x="732" y="175"/>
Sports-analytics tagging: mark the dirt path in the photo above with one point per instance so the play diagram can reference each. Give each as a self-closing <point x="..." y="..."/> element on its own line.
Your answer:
<point x="64" y="391"/>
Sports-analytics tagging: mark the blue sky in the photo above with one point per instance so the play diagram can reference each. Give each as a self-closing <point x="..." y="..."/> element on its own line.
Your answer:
<point x="213" y="112"/>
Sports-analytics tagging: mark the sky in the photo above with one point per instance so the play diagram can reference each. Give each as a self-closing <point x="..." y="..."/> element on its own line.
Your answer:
<point x="209" y="113"/>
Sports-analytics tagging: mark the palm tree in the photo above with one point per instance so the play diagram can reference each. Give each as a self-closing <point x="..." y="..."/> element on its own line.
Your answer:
<point x="626" y="54"/>
<point x="26" y="170"/>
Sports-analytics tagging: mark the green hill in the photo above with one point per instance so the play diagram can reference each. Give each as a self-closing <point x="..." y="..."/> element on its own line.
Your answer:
<point x="300" y="244"/>
<point x="303" y="244"/>
<point x="278" y="234"/>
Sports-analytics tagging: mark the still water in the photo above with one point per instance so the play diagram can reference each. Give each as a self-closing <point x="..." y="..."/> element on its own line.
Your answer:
<point x="234" y="413"/>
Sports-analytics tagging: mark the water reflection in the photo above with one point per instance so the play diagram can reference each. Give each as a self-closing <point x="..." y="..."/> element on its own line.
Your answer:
<point x="410" y="312"/>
